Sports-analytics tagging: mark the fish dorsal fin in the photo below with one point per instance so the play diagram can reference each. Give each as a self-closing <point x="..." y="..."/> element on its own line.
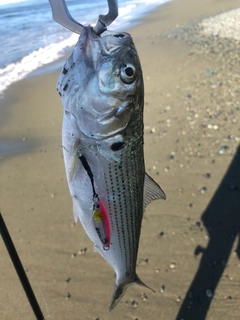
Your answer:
<point x="152" y="191"/>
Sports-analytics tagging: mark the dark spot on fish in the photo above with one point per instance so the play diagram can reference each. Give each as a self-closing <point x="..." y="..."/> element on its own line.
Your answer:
<point x="117" y="146"/>
<point x="59" y="93"/>
<point x="64" y="71"/>
<point x="65" y="87"/>
<point x="119" y="35"/>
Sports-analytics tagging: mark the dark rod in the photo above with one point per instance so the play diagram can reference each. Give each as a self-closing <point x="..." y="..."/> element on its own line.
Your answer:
<point x="19" y="268"/>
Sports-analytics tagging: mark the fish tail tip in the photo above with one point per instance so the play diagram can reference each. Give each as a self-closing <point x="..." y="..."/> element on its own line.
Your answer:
<point x="119" y="291"/>
<point x="139" y="281"/>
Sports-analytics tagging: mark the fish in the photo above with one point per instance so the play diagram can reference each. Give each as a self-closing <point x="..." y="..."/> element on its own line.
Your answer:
<point x="102" y="92"/>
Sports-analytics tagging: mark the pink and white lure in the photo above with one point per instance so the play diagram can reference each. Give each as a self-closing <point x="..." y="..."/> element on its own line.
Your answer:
<point x="102" y="225"/>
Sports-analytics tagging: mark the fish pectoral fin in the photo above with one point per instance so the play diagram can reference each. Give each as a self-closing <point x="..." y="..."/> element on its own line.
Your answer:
<point x="76" y="210"/>
<point x="152" y="191"/>
<point x="120" y="289"/>
<point x="72" y="166"/>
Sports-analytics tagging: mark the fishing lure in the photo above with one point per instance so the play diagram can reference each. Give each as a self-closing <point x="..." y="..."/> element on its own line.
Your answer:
<point x="100" y="217"/>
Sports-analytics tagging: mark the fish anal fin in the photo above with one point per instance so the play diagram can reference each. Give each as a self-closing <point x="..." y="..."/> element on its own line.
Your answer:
<point x="121" y="288"/>
<point x="152" y="191"/>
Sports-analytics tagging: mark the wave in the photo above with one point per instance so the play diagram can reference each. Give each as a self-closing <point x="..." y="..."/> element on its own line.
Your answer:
<point x="16" y="71"/>
<point x="6" y="2"/>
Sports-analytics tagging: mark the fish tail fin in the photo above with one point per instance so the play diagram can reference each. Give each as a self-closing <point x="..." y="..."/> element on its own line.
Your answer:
<point x="121" y="288"/>
<point x="139" y="281"/>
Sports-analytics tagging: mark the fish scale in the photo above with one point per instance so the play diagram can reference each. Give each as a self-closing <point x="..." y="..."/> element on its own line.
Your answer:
<point x="126" y="203"/>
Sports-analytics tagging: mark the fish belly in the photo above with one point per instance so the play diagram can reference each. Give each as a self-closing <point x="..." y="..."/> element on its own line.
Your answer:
<point x="119" y="184"/>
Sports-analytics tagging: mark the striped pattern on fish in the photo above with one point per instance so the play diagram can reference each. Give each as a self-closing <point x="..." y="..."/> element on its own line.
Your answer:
<point x="102" y="92"/>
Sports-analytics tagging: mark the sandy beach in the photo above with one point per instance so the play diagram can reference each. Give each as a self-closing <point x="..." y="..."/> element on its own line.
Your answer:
<point x="189" y="248"/>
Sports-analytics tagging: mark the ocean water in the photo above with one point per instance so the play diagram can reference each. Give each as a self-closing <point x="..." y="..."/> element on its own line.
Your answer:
<point x="30" y="38"/>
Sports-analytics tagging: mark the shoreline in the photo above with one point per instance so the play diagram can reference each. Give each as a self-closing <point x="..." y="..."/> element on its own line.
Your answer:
<point x="189" y="243"/>
<point x="19" y="69"/>
<point x="166" y="25"/>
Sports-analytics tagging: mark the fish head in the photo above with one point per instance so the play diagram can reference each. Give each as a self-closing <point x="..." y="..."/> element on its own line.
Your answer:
<point x="103" y="83"/>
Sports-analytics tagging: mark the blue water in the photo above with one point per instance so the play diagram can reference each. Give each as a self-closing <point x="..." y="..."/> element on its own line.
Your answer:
<point x="30" y="38"/>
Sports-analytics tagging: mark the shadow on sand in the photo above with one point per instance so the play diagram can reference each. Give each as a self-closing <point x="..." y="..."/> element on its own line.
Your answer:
<point x="10" y="147"/>
<point x="222" y="222"/>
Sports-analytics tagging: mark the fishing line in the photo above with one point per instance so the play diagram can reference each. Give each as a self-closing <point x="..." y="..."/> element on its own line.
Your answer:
<point x="44" y="300"/>
<point x="73" y="153"/>
<point x="46" y="304"/>
<point x="41" y="293"/>
<point x="95" y="195"/>
<point x="89" y="172"/>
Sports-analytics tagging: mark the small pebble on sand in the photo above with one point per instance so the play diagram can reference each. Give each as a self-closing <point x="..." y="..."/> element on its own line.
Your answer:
<point x="162" y="289"/>
<point x="134" y="303"/>
<point x="82" y="251"/>
<point x="144" y="296"/>
<point x="203" y="189"/>
<point x="68" y="296"/>
<point x="222" y="149"/>
<point x="172" y="266"/>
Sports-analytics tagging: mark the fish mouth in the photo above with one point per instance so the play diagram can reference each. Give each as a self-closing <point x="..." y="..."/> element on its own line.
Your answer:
<point x="115" y="34"/>
<point x="110" y="41"/>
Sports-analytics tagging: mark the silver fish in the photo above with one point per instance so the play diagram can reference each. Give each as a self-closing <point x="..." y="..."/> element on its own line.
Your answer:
<point x="101" y="88"/>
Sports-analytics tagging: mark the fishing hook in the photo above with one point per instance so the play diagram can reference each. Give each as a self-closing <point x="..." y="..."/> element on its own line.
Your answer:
<point x="61" y="15"/>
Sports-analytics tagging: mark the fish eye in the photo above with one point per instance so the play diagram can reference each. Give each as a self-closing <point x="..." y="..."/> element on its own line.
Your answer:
<point x="128" y="73"/>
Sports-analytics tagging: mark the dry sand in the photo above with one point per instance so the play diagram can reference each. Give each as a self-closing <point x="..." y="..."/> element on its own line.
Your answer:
<point x="189" y="248"/>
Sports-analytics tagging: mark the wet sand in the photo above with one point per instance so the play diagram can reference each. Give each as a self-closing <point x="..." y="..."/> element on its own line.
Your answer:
<point x="189" y="248"/>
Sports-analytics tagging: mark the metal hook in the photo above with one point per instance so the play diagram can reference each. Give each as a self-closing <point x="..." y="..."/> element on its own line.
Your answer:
<point x="62" y="16"/>
<point x="107" y="19"/>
